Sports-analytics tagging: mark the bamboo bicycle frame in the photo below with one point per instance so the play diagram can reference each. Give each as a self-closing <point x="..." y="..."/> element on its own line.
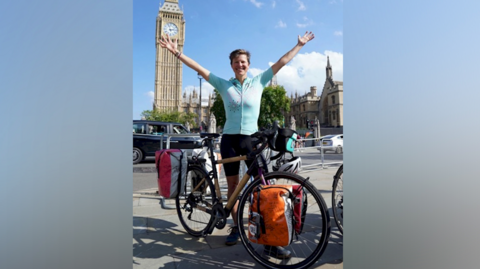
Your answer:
<point x="233" y="198"/>
<point x="236" y="193"/>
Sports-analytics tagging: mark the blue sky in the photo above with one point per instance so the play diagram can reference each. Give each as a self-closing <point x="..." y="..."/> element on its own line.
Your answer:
<point x="266" y="28"/>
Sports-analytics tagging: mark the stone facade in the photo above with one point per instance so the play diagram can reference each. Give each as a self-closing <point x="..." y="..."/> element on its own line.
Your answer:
<point x="190" y="104"/>
<point x="331" y="105"/>
<point x="169" y="70"/>
<point x="327" y="108"/>
<point x="303" y="108"/>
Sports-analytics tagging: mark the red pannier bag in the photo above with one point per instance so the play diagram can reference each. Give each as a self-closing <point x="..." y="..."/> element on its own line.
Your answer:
<point x="171" y="167"/>
<point x="300" y="204"/>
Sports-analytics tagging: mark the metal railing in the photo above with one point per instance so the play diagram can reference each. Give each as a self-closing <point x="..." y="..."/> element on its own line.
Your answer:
<point x="302" y="148"/>
<point x="169" y="136"/>
<point x="317" y="146"/>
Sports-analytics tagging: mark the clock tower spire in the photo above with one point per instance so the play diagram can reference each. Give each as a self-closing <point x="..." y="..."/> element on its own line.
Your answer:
<point x="168" y="69"/>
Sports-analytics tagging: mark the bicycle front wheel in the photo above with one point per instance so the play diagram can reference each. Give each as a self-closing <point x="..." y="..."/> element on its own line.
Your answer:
<point x="194" y="203"/>
<point x="308" y="243"/>
<point x="337" y="198"/>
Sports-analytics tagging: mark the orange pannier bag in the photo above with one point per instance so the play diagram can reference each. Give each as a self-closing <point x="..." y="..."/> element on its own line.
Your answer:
<point x="271" y="215"/>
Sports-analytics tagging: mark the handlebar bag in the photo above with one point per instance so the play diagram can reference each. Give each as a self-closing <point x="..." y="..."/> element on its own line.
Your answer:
<point x="284" y="141"/>
<point x="171" y="165"/>
<point x="271" y="215"/>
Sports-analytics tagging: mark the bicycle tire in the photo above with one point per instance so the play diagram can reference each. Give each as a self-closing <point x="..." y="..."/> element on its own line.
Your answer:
<point x="337" y="198"/>
<point x="306" y="247"/>
<point x="194" y="220"/>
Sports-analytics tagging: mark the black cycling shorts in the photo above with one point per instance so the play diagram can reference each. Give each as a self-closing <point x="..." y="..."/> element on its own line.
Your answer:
<point x="233" y="146"/>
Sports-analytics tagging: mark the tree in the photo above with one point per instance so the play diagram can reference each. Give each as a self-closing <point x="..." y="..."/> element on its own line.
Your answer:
<point x="175" y="116"/>
<point x="218" y="109"/>
<point x="274" y="104"/>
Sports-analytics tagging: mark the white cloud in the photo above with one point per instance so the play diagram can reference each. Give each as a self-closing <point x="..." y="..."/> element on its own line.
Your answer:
<point x="301" y="6"/>
<point x="338" y="33"/>
<point x="255" y="3"/>
<point x="274" y="4"/>
<point x="306" y="70"/>
<point x="306" y="22"/>
<point x="254" y="71"/>
<point x="281" y="24"/>
<point x="151" y="96"/>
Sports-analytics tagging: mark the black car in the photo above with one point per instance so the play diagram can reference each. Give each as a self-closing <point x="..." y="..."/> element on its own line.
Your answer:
<point x="147" y="136"/>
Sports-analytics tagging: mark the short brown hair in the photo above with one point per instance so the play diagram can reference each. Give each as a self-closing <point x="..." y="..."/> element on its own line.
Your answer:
<point x="238" y="52"/>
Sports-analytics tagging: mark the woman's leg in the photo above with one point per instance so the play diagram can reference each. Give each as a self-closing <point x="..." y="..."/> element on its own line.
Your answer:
<point x="232" y="182"/>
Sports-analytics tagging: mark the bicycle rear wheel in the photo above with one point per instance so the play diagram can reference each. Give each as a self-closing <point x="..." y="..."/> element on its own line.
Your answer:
<point x="194" y="203"/>
<point x="308" y="245"/>
<point x="337" y="198"/>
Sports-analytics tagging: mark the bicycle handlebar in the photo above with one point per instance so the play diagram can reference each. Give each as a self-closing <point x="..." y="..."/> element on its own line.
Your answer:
<point x="265" y="136"/>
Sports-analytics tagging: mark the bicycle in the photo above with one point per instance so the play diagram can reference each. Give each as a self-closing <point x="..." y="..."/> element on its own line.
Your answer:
<point x="200" y="205"/>
<point x="337" y="198"/>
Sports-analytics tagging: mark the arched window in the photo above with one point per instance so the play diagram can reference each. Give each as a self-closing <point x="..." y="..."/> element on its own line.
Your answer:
<point x="333" y="99"/>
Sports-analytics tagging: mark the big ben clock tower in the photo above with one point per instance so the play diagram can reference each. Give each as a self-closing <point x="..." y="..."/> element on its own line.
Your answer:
<point x="168" y="69"/>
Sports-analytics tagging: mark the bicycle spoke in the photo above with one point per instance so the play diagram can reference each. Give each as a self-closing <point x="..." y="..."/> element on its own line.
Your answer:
<point x="307" y="246"/>
<point x="337" y="198"/>
<point x="193" y="207"/>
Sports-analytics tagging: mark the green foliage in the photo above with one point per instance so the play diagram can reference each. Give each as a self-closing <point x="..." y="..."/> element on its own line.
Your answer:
<point x="273" y="104"/>
<point x="218" y="109"/>
<point x="175" y="116"/>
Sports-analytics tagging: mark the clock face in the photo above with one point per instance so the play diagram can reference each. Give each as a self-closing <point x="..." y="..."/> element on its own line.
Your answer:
<point x="170" y="29"/>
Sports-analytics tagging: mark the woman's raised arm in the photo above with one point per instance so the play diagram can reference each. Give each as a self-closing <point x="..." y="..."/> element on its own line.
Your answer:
<point x="167" y="43"/>
<point x="289" y="55"/>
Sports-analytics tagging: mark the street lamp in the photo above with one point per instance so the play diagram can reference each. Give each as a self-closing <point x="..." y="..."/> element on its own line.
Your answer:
<point x="200" y="114"/>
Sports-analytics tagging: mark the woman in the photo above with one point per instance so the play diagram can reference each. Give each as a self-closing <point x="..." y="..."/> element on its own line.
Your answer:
<point x="241" y="97"/>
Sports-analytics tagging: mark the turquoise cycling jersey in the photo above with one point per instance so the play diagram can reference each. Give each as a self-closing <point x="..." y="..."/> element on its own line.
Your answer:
<point x="241" y="102"/>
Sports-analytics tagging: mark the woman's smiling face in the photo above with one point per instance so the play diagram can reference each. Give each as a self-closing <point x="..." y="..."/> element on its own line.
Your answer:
<point x="240" y="65"/>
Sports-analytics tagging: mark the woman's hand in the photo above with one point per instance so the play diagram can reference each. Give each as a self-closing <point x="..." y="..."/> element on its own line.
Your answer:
<point x="166" y="42"/>
<point x="305" y="38"/>
<point x="289" y="55"/>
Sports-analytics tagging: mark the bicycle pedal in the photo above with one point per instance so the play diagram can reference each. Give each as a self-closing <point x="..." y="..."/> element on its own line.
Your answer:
<point x="221" y="224"/>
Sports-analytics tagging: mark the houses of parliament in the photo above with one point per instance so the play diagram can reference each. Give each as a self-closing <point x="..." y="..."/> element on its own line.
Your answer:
<point x="326" y="108"/>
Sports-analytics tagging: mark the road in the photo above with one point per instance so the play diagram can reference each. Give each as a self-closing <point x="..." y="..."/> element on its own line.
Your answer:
<point x="145" y="177"/>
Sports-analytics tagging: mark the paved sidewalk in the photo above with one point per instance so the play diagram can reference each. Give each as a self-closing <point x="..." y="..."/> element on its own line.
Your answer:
<point x="159" y="240"/>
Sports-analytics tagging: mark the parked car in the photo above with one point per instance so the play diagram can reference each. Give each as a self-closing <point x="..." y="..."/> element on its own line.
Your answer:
<point x="332" y="143"/>
<point x="148" y="134"/>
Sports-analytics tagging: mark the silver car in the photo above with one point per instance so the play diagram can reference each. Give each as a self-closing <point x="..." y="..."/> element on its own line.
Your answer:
<point x="332" y="143"/>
